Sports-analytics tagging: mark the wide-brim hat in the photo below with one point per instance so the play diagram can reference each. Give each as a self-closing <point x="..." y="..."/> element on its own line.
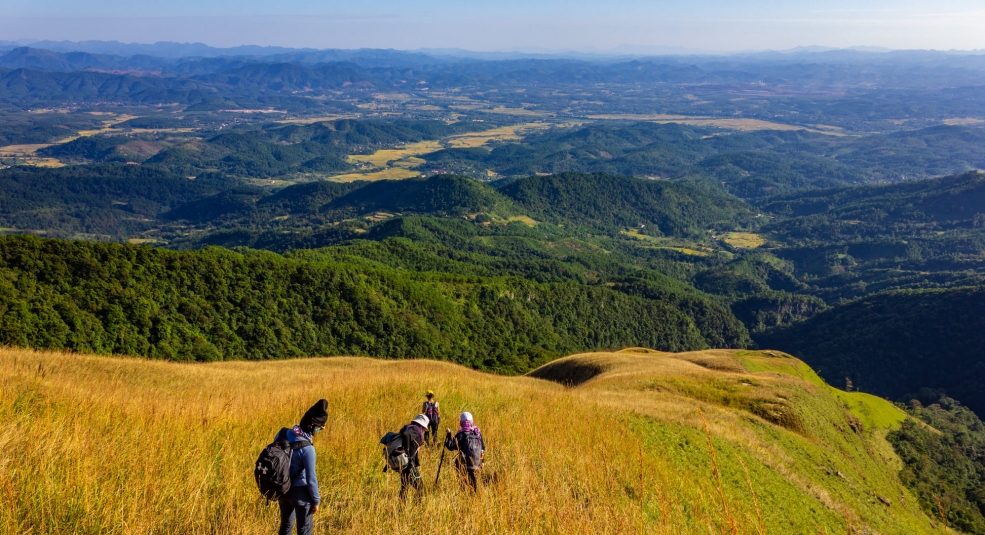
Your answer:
<point x="421" y="420"/>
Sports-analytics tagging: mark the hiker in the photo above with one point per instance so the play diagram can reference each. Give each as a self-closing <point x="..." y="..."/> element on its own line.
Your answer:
<point x="432" y="411"/>
<point x="471" y="448"/>
<point x="302" y="501"/>
<point x="412" y="435"/>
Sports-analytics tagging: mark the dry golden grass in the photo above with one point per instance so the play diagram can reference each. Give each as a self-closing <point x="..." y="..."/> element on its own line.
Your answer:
<point x="112" y="445"/>
<point x="743" y="240"/>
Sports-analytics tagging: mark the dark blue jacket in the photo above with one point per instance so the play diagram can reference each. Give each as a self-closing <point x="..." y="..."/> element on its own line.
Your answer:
<point x="303" y="464"/>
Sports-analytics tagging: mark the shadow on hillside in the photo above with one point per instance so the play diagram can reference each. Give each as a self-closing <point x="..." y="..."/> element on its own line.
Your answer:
<point x="569" y="372"/>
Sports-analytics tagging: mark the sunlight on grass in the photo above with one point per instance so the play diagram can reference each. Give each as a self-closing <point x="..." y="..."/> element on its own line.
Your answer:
<point x="125" y="445"/>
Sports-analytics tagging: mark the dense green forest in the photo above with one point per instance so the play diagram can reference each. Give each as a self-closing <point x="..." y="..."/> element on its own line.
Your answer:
<point x="945" y="463"/>
<point x="893" y="344"/>
<point x="219" y="304"/>
<point x="111" y="200"/>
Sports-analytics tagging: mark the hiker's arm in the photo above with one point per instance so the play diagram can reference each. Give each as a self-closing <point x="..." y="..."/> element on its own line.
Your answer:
<point x="309" y="473"/>
<point x="451" y="442"/>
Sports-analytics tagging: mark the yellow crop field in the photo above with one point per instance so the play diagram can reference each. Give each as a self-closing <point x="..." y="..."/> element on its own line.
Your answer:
<point x="526" y="220"/>
<point x="638" y="442"/>
<point x="502" y="133"/>
<point x="392" y="173"/>
<point x="744" y="240"/>
<point x="382" y="158"/>
<point x="524" y="112"/>
<point x="732" y="124"/>
<point x="22" y="150"/>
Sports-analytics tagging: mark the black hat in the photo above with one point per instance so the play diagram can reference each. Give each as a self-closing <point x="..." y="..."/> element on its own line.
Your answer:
<point x="316" y="416"/>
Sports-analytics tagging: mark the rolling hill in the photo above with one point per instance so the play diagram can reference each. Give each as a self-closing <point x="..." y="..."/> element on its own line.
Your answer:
<point x="716" y="441"/>
<point x="609" y="201"/>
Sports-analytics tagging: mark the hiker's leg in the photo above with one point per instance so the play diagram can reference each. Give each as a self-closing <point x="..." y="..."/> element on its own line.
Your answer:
<point x="302" y="509"/>
<point x="460" y="471"/>
<point x="404" y="482"/>
<point x="473" y="481"/>
<point x="433" y="430"/>
<point x="286" y="516"/>
<point x="304" y="517"/>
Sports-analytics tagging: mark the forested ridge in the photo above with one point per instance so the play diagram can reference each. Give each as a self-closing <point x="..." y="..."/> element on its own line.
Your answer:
<point x="894" y="343"/>
<point x="219" y="304"/>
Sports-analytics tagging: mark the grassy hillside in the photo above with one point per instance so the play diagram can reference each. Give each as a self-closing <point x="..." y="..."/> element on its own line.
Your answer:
<point x="137" y="446"/>
<point x="895" y="343"/>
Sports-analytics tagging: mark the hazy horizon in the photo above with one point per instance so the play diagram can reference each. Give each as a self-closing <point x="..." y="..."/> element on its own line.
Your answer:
<point x="704" y="26"/>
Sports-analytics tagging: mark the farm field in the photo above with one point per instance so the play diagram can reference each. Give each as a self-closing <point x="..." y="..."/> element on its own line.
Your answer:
<point x="743" y="240"/>
<point x="747" y="125"/>
<point x="382" y="158"/>
<point x="502" y="133"/>
<point x="664" y="243"/>
<point x="392" y="173"/>
<point x="638" y="442"/>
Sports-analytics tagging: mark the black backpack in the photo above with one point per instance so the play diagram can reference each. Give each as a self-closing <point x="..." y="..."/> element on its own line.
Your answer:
<point x="394" y="452"/>
<point x="273" y="469"/>
<point x="471" y="448"/>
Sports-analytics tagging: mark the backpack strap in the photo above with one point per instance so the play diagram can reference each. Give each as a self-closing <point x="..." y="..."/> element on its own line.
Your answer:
<point x="294" y="447"/>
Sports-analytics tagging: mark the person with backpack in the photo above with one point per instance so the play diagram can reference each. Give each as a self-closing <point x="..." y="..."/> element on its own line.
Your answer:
<point x="412" y="436"/>
<point x="471" y="448"/>
<point x="285" y="471"/>
<point x="433" y="413"/>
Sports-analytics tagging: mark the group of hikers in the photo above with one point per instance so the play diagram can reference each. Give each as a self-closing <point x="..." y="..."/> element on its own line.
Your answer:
<point x="285" y="470"/>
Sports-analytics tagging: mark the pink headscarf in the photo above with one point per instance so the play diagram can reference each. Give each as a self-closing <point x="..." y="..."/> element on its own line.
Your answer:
<point x="469" y="427"/>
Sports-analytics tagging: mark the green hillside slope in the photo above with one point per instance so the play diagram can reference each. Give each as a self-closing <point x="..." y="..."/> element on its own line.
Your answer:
<point x="607" y="201"/>
<point x="443" y="195"/>
<point x="218" y="304"/>
<point x="893" y="344"/>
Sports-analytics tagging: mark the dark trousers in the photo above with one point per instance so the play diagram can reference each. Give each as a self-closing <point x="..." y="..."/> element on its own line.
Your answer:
<point x="432" y="432"/>
<point x="410" y="478"/>
<point x="466" y="475"/>
<point x="296" y="506"/>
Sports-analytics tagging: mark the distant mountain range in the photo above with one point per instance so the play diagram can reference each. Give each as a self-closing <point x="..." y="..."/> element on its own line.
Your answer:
<point x="174" y="50"/>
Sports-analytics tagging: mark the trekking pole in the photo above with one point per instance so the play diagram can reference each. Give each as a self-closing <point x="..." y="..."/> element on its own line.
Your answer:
<point x="441" y="462"/>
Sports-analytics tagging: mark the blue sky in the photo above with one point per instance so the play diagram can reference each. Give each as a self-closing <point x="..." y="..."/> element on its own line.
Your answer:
<point x="532" y="25"/>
